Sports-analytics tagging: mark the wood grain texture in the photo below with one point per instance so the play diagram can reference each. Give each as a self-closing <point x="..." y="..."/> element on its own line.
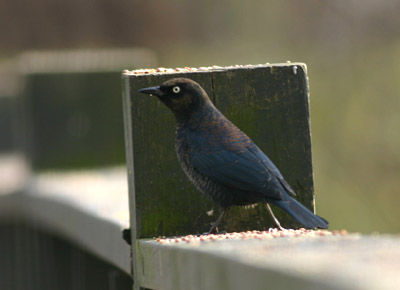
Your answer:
<point x="325" y="262"/>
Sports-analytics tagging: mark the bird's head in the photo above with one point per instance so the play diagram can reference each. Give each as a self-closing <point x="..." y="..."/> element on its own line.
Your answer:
<point x="183" y="96"/>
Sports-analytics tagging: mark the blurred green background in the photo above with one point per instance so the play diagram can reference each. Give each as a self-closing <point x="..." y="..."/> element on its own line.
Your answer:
<point x="351" y="48"/>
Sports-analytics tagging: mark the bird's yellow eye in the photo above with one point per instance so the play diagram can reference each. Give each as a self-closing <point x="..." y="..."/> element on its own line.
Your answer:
<point x="176" y="89"/>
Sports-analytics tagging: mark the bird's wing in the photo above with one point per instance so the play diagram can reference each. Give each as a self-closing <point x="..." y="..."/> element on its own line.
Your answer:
<point x="249" y="170"/>
<point x="272" y="169"/>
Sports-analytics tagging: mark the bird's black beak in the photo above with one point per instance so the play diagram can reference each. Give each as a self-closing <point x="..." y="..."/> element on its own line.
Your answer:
<point x="151" y="91"/>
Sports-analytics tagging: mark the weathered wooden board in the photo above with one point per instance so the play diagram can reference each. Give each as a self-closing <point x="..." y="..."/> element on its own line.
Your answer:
<point x="328" y="262"/>
<point x="73" y="106"/>
<point x="268" y="102"/>
<point x="74" y="119"/>
<point x="38" y="260"/>
<point x="7" y="124"/>
<point x="63" y="231"/>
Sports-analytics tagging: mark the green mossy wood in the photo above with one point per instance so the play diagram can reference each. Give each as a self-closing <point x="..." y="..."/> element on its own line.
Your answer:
<point x="71" y="106"/>
<point x="270" y="103"/>
<point x="74" y="120"/>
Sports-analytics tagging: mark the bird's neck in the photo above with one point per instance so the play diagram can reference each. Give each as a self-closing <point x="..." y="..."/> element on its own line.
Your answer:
<point x="198" y="118"/>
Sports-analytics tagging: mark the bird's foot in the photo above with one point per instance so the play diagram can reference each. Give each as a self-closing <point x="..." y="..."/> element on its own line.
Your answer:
<point x="278" y="225"/>
<point x="214" y="227"/>
<point x="213" y="230"/>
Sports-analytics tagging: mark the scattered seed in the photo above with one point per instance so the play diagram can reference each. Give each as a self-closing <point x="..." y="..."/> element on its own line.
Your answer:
<point x="260" y="235"/>
<point x="186" y="69"/>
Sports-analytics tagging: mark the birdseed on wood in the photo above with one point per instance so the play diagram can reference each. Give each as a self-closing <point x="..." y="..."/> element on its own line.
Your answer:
<point x="261" y="235"/>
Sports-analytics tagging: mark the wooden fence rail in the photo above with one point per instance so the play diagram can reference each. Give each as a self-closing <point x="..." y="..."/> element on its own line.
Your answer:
<point x="62" y="230"/>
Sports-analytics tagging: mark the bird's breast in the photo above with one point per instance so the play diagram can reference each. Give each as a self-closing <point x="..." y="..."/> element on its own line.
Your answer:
<point x="200" y="181"/>
<point x="188" y="142"/>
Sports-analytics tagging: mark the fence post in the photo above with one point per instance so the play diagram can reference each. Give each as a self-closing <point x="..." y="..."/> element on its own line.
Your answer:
<point x="73" y="106"/>
<point x="268" y="102"/>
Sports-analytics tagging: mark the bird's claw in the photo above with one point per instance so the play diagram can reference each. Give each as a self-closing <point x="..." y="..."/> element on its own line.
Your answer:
<point x="213" y="230"/>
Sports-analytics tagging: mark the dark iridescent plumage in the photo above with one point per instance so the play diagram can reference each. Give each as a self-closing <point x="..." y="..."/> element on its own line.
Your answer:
<point x="221" y="160"/>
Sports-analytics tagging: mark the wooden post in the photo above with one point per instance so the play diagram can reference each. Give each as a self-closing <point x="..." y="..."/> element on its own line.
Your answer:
<point x="7" y="125"/>
<point x="9" y="90"/>
<point x="73" y="106"/>
<point x="268" y="102"/>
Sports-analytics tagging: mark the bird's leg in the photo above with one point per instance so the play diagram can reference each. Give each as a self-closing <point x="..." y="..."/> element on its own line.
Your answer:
<point x="277" y="223"/>
<point x="217" y="222"/>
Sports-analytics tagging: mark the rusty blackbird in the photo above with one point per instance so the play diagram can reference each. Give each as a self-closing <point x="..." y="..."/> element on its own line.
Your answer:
<point x="221" y="160"/>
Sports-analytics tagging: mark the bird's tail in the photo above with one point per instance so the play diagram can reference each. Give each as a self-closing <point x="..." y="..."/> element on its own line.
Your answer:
<point x="302" y="214"/>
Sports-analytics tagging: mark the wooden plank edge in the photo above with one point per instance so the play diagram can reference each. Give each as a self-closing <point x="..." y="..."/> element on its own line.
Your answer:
<point x="97" y="235"/>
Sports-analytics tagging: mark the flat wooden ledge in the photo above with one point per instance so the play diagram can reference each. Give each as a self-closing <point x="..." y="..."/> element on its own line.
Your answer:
<point x="89" y="208"/>
<point x="330" y="262"/>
